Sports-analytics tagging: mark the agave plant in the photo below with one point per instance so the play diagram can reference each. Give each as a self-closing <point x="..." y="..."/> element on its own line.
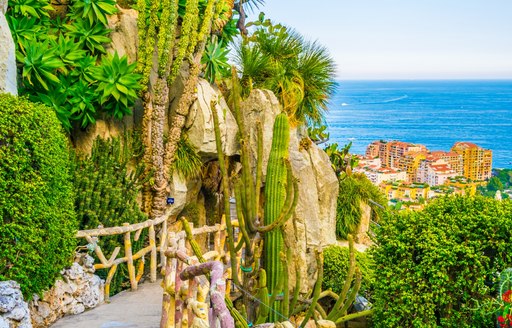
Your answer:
<point x="84" y="68"/>
<point x="30" y="8"/>
<point x="89" y="36"/>
<point x="56" y="98"/>
<point x="215" y="61"/>
<point x="24" y="30"/>
<point x="117" y="84"/>
<point x="82" y="101"/>
<point x="93" y="10"/>
<point x="67" y="50"/>
<point x="39" y="65"/>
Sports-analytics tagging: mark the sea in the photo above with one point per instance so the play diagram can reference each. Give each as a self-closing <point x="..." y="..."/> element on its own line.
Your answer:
<point x="433" y="113"/>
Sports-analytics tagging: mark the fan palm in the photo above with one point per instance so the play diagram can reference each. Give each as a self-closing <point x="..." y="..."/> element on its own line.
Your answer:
<point x="300" y="73"/>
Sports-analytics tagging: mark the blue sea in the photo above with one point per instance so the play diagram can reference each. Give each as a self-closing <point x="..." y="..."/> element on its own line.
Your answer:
<point x="434" y="113"/>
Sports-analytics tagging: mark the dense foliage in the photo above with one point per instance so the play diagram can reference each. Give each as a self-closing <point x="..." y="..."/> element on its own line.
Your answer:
<point x="37" y="220"/>
<point x="63" y="64"/>
<point x="501" y="181"/>
<point x="336" y="266"/>
<point x="437" y="268"/>
<point x="107" y="184"/>
<point x="355" y="190"/>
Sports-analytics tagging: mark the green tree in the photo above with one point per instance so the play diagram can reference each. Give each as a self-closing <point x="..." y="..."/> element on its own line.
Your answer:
<point x="37" y="220"/>
<point x="435" y="266"/>
<point x="300" y="72"/>
<point x="494" y="184"/>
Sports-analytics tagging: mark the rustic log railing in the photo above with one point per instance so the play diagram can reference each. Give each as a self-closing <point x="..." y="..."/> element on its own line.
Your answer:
<point x="155" y="246"/>
<point x="180" y="296"/>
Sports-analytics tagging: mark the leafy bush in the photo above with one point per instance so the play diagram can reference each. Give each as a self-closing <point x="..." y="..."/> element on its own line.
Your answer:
<point x="354" y="190"/>
<point x="37" y="220"/>
<point x="437" y="267"/>
<point x="336" y="265"/>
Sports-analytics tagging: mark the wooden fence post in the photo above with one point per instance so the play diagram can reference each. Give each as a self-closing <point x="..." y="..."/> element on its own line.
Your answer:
<point x="129" y="257"/>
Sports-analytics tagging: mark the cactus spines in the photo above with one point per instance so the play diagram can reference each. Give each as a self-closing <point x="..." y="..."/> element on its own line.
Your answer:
<point x="275" y="197"/>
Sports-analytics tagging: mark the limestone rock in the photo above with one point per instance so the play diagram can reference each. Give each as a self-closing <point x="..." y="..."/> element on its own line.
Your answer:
<point x="362" y="230"/>
<point x="14" y="312"/>
<point x="7" y="55"/>
<point x="78" y="290"/>
<point x="183" y="191"/>
<point x="83" y="140"/>
<point x="261" y="107"/>
<point x="125" y="36"/>
<point x="199" y="125"/>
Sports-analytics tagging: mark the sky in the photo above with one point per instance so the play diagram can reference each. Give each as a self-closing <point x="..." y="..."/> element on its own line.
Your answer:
<point x="406" y="39"/>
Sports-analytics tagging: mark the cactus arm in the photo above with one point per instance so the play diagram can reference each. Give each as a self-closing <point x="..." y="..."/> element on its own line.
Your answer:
<point x="225" y="190"/>
<point x="296" y="291"/>
<point x="353" y="316"/>
<point x="241" y="221"/>
<point x="321" y="310"/>
<point x="277" y="290"/>
<point x="263" y="309"/>
<point x="286" y="297"/>
<point x="317" y="290"/>
<point x="352" y="296"/>
<point x="348" y="281"/>
<point x="259" y="166"/>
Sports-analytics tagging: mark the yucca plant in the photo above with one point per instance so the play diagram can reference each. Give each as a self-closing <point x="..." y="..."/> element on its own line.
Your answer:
<point x="89" y="36"/>
<point x="117" y="85"/>
<point x="39" y="66"/>
<point x="84" y="68"/>
<point x="93" y="11"/>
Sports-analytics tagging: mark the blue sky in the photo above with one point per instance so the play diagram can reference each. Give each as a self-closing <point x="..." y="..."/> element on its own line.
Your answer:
<point x="406" y="39"/>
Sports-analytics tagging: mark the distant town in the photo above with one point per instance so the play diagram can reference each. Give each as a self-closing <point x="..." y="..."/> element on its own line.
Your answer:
<point x="410" y="174"/>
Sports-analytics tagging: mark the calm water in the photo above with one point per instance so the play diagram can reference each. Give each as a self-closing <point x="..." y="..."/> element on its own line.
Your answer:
<point x="433" y="113"/>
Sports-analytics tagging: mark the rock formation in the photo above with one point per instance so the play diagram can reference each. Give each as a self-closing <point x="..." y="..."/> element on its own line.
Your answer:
<point x="79" y="289"/>
<point x="7" y="55"/>
<point x="14" y="311"/>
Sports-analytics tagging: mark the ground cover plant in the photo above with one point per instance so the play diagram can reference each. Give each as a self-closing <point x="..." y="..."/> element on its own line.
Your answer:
<point x="37" y="221"/>
<point x="438" y="267"/>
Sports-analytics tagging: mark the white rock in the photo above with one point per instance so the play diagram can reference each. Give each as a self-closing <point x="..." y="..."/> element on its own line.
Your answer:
<point x="7" y="55"/>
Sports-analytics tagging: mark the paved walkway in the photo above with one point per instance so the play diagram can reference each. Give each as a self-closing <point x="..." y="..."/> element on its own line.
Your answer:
<point x="140" y="309"/>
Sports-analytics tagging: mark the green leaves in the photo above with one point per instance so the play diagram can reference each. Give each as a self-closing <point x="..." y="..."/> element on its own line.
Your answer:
<point x="30" y="8"/>
<point x="215" y="61"/>
<point x="39" y="65"/>
<point x="93" y="11"/>
<point x="117" y="85"/>
<point x="90" y="36"/>
<point x="436" y="265"/>
<point x="37" y="220"/>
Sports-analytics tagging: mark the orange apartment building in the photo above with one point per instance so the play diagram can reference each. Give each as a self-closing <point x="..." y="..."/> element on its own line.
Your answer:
<point x="477" y="162"/>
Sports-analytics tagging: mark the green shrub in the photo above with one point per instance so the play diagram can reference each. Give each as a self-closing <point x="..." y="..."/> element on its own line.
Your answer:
<point x="435" y="268"/>
<point x="354" y="190"/>
<point x="37" y="220"/>
<point x="336" y="265"/>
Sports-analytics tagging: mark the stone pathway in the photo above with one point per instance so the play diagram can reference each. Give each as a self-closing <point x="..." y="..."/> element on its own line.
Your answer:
<point x="140" y="309"/>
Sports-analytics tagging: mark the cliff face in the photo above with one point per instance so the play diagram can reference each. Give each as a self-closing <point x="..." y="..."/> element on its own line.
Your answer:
<point x="7" y="55"/>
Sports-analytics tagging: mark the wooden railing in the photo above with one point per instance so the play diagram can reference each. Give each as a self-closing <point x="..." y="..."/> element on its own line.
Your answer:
<point x="155" y="246"/>
<point x="181" y="296"/>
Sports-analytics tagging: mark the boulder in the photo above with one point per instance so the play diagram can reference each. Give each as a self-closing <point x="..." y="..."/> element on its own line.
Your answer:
<point x="7" y="55"/>
<point x="14" y="312"/>
<point x="124" y="35"/>
<point x="199" y="125"/>
<point x="83" y="140"/>
<point x="183" y="191"/>
<point x="78" y="290"/>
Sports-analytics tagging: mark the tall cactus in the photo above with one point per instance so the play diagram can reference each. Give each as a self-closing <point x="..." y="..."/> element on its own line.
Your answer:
<point x="275" y="196"/>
